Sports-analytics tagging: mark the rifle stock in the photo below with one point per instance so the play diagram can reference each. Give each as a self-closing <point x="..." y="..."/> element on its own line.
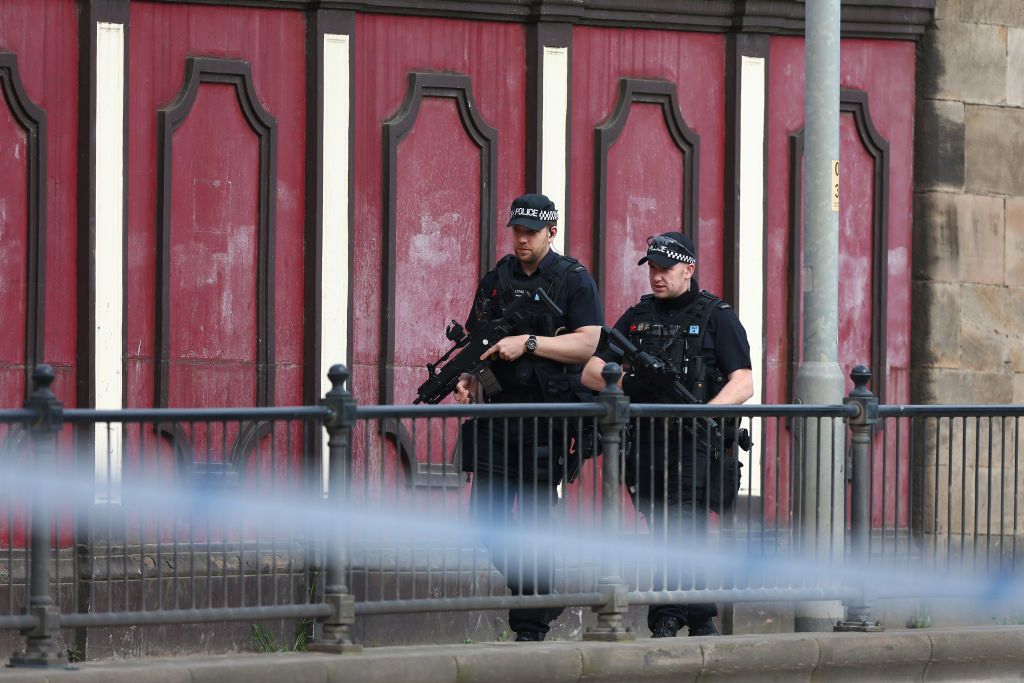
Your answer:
<point x="441" y="382"/>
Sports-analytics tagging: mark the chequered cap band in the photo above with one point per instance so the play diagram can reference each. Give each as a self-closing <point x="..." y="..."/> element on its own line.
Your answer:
<point x="672" y="254"/>
<point x="522" y="212"/>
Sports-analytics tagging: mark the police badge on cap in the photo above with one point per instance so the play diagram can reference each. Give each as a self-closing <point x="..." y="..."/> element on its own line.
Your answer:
<point x="668" y="249"/>
<point x="533" y="211"/>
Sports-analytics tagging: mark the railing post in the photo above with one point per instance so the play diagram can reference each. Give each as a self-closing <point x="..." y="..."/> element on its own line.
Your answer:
<point x="43" y="646"/>
<point x="858" y="610"/>
<point x="336" y="636"/>
<point x="611" y="623"/>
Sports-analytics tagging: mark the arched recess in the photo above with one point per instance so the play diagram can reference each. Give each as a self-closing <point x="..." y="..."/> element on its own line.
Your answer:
<point x="236" y="74"/>
<point x="686" y="141"/>
<point x="32" y="120"/>
<point x="482" y="139"/>
<point x="855" y="103"/>
<point x="421" y="86"/>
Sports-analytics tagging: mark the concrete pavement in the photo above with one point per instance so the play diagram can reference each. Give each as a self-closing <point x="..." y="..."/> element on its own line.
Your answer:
<point x="974" y="654"/>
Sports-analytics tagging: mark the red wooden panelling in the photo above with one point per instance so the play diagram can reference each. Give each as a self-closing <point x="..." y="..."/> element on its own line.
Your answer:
<point x="49" y="74"/>
<point x="855" y="248"/>
<point x="438" y="200"/>
<point x="645" y="197"/>
<point x="884" y="70"/>
<point x="272" y="42"/>
<point x="214" y="254"/>
<point x="387" y="48"/>
<point x="13" y="256"/>
<point x="695" y="63"/>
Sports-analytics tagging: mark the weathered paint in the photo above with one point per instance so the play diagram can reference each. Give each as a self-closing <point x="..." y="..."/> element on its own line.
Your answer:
<point x="48" y="71"/>
<point x="272" y="42"/>
<point x="440" y="284"/>
<point x="885" y="71"/>
<point x="600" y="57"/>
<point x="214" y="254"/>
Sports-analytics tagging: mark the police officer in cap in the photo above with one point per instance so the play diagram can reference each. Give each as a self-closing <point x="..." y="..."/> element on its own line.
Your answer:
<point x="700" y="335"/>
<point x="518" y="463"/>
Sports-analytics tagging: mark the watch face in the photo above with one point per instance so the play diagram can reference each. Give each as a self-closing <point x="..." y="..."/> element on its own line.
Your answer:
<point x="531" y="344"/>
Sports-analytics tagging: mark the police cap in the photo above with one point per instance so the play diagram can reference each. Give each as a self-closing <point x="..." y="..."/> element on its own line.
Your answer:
<point x="668" y="249"/>
<point x="532" y="211"/>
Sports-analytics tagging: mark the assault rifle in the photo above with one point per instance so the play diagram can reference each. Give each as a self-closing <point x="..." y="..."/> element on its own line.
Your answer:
<point x="441" y="382"/>
<point x="665" y="378"/>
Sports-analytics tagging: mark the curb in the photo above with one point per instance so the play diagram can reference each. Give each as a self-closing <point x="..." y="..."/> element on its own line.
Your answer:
<point x="928" y="654"/>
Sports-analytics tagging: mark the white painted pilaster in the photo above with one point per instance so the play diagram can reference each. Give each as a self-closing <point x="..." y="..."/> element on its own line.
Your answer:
<point x="109" y="287"/>
<point x="555" y="123"/>
<point x="334" y="283"/>
<point x="751" y="237"/>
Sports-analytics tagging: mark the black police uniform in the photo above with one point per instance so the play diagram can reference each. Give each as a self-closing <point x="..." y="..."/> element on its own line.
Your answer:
<point x="667" y="465"/>
<point x="525" y="459"/>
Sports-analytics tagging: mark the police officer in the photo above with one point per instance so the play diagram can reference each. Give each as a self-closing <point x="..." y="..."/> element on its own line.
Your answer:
<point x="700" y="335"/>
<point x="518" y="463"/>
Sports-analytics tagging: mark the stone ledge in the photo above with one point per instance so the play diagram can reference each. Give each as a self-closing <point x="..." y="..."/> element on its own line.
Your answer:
<point x="995" y="651"/>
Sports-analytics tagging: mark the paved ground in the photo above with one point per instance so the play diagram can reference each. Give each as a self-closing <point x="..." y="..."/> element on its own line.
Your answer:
<point x="974" y="654"/>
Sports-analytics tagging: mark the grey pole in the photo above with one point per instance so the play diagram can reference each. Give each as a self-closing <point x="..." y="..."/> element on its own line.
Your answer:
<point x="819" y="378"/>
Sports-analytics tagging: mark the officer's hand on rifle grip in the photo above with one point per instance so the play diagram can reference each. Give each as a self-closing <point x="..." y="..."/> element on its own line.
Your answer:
<point x="465" y="389"/>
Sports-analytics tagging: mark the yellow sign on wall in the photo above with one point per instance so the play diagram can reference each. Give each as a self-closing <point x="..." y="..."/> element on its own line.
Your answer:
<point x="835" y="185"/>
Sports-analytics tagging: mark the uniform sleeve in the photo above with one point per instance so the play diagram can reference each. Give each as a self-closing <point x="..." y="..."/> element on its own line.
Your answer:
<point x="622" y="325"/>
<point x="732" y="349"/>
<point x="584" y="303"/>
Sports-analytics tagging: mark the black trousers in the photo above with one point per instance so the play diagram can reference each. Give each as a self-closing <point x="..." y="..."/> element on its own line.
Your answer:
<point x="519" y="544"/>
<point x="666" y="471"/>
<point x="678" y="527"/>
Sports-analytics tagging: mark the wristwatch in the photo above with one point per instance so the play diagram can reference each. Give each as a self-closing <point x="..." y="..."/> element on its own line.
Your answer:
<point x="531" y="344"/>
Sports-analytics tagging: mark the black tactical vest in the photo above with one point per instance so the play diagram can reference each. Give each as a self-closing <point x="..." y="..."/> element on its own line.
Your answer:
<point x="540" y="378"/>
<point x="676" y="337"/>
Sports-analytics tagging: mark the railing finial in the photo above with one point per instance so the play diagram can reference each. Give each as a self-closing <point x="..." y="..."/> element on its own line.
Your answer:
<point x="860" y="375"/>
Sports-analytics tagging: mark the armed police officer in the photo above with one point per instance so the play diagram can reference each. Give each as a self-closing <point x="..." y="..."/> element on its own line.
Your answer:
<point x="700" y="337"/>
<point x="519" y="462"/>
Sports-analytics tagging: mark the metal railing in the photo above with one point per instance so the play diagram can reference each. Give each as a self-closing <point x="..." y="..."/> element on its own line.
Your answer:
<point x="178" y="516"/>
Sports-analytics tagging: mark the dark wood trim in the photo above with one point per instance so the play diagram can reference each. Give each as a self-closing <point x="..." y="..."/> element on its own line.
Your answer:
<point x="662" y="93"/>
<point x="854" y="102"/>
<point x="32" y="120"/>
<point x="896" y="19"/>
<point x="796" y="248"/>
<point x="237" y="73"/>
<point x="319" y="23"/>
<point x="738" y="45"/>
<point x="459" y="88"/>
<point x="92" y="12"/>
<point x="539" y="36"/>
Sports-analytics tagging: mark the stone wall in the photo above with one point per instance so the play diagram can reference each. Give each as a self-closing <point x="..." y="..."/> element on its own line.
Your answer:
<point x="968" y="276"/>
<point x="968" y="273"/>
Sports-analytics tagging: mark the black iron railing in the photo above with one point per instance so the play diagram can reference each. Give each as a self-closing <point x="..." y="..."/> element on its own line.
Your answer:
<point x="135" y="517"/>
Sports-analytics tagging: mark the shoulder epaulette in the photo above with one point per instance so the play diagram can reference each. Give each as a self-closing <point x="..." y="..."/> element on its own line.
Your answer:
<point x="574" y="263"/>
<point x="713" y="300"/>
